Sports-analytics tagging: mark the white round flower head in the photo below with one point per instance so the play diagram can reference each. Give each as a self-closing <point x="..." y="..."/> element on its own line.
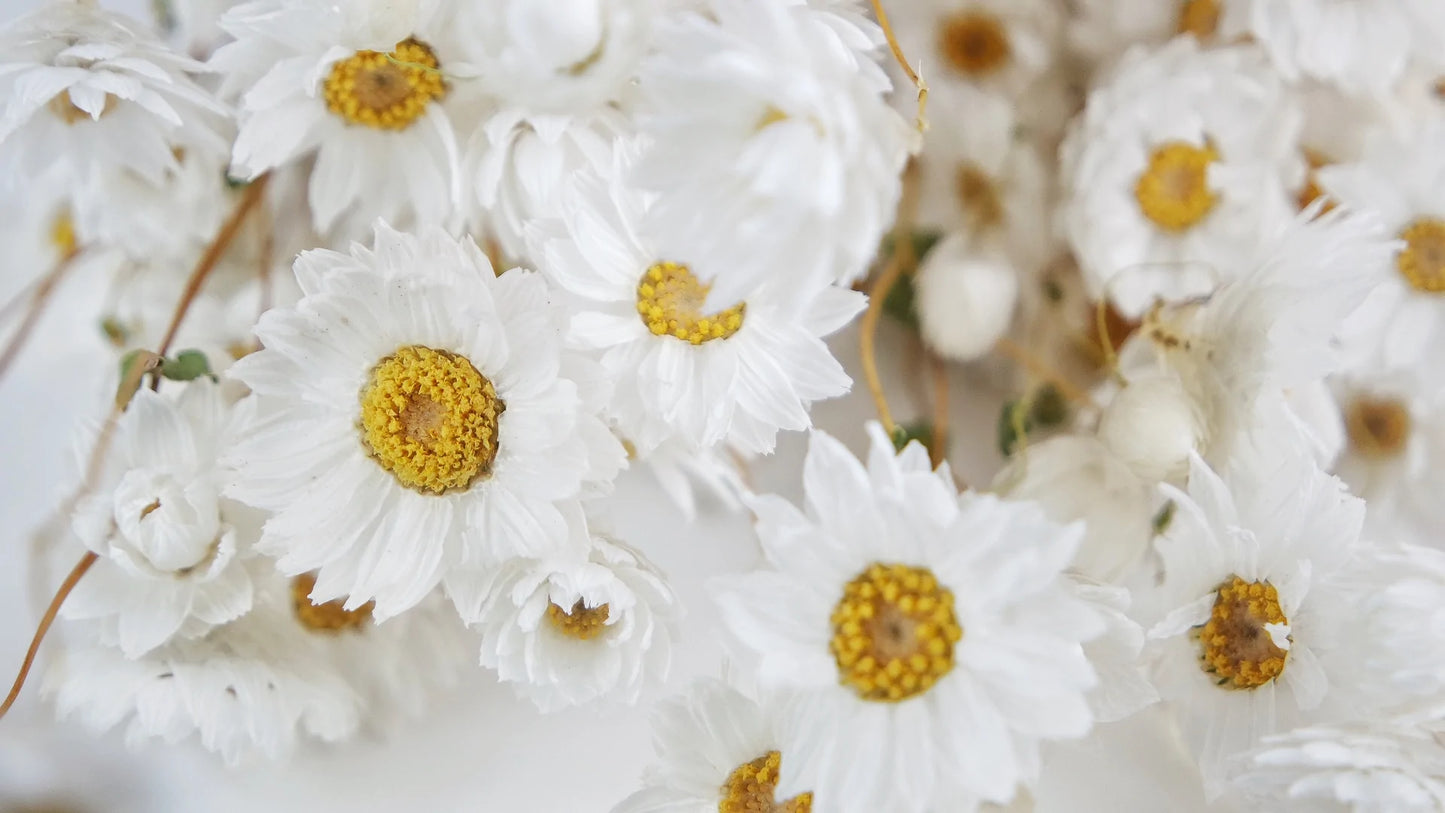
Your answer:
<point x="360" y="84"/>
<point x="1363" y="46"/>
<point x="1260" y="629"/>
<point x="570" y="630"/>
<point x="90" y="96"/>
<point x="719" y="751"/>
<point x="1394" y="456"/>
<point x="771" y="146"/>
<point x="444" y="422"/>
<point x="1177" y="168"/>
<point x="999" y="45"/>
<point x="980" y="173"/>
<point x="1101" y="30"/>
<point x="1401" y="179"/>
<point x="685" y="369"/>
<point x="1153" y="426"/>
<point x="1391" y="766"/>
<point x="1076" y="477"/>
<point x="965" y="298"/>
<point x="520" y="166"/>
<point x="566" y="57"/>
<point x="251" y="687"/>
<point x="171" y="549"/>
<point x="926" y="640"/>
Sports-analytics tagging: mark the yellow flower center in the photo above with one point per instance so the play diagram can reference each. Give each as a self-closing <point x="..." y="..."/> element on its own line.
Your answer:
<point x="65" y="109"/>
<point x="1422" y="263"/>
<point x="974" y="43"/>
<point x="385" y="91"/>
<point x="62" y="235"/>
<point x="979" y="196"/>
<point x="430" y="419"/>
<point x="1199" y="17"/>
<point x="581" y="622"/>
<point x="1377" y="427"/>
<point x="893" y="632"/>
<point x="751" y="786"/>
<point x="1173" y="191"/>
<point x="331" y="617"/>
<point x="1236" y="648"/>
<point x="670" y="300"/>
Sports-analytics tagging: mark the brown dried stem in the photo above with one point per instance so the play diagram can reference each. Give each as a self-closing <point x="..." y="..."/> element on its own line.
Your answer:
<point x="38" y="300"/>
<point x="45" y="621"/>
<point x="938" y="450"/>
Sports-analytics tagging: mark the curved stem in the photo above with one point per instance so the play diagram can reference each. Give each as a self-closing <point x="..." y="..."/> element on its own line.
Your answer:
<point x="921" y="122"/>
<point x="938" y="450"/>
<point x="867" y="332"/>
<point x="1040" y="370"/>
<point x="45" y="621"/>
<point x="43" y="290"/>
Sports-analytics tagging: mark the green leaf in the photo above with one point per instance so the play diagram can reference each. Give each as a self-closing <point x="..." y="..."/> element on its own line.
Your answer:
<point x="1015" y="421"/>
<point x="899" y="303"/>
<point x="133" y="367"/>
<point x="1164" y="518"/>
<point x="114" y="331"/>
<point x="923" y="242"/>
<point x="921" y="431"/>
<point x="188" y="365"/>
<point x="1049" y="407"/>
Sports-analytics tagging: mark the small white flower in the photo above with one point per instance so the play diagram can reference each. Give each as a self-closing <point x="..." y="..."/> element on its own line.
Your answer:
<point x="1101" y="30"/>
<point x="898" y="611"/>
<point x="251" y="687"/>
<point x="684" y="370"/>
<point x="363" y="86"/>
<point x="444" y="422"/>
<point x="718" y="750"/>
<point x="999" y="45"/>
<point x="1389" y="766"/>
<point x="90" y="96"/>
<point x="965" y="298"/>
<point x="1260" y="629"/>
<point x="771" y="147"/>
<point x="1176" y="169"/>
<point x="171" y="548"/>
<point x="568" y="630"/>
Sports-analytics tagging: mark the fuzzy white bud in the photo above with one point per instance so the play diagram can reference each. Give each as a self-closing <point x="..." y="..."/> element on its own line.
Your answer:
<point x="1152" y="425"/>
<point x="965" y="298"/>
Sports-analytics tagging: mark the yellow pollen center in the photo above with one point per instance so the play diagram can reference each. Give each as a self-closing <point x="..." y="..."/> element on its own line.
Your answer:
<point x="893" y="632"/>
<point x="1173" y="191"/>
<point x="1422" y="263"/>
<point x="1235" y="646"/>
<point x="979" y="196"/>
<point x="385" y="91"/>
<point x="331" y="617"/>
<point x="1377" y="427"/>
<point x="974" y="43"/>
<point x="670" y="300"/>
<point x="66" y="110"/>
<point x="1199" y="17"/>
<point x="62" y="235"/>
<point x="581" y="622"/>
<point x="751" y="786"/>
<point x="430" y="419"/>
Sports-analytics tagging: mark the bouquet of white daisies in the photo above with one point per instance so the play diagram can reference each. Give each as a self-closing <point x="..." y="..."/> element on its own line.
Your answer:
<point x="1148" y="298"/>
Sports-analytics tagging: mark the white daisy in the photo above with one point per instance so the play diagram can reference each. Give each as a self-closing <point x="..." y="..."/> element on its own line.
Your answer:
<point x="1395" y="454"/>
<point x="171" y="549"/>
<point x="91" y="95"/>
<point x="1389" y="766"/>
<point x="1001" y="45"/>
<point x="1363" y="46"/>
<point x="926" y="640"/>
<point x="1101" y="30"/>
<point x="571" y="629"/>
<point x="718" y="751"/>
<point x="683" y="369"/>
<point x="251" y="687"/>
<point x="772" y="148"/>
<point x="1177" y="167"/>
<point x="1259" y="628"/>
<point x="444" y="421"/>
<point x="1402" y="181"/>
<point x="362" y="85"/>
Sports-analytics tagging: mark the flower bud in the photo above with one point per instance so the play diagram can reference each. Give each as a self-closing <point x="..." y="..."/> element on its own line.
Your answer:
<point x="1152" y="425"/>
<point x="965" y="299"/>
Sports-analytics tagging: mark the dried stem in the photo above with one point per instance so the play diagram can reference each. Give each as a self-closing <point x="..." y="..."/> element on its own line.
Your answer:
<point x="208" y="261"/>
<point x="1041" y="370"/>
<point x="921" y="122"/>
<point x="867" y="343"/>
<point x="43" y="290"/>
<point x="45" y="621"/>
<point x="938" y="450"/>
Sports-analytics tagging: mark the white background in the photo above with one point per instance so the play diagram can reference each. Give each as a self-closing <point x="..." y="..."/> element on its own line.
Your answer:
<point x="480" y="749"/>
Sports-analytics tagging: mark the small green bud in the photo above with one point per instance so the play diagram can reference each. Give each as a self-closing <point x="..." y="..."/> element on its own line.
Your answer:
<point x="188" y="365"/>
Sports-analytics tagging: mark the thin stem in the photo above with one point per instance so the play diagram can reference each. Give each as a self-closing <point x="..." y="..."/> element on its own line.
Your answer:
<point x="921" y="122"/>
<point x="938" y="450"/>
<point x="211" y="257"/>
<point x="43" y="290"/>
<point x="1041" y="370"/>
<point x="867" y="333"/>
<point x="49" y="618"/>
<point x="1106" y="341"/>
<point x="25" y="295"/>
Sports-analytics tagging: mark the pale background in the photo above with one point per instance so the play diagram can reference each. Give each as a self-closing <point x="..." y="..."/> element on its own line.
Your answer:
<point x="480" y="749"/>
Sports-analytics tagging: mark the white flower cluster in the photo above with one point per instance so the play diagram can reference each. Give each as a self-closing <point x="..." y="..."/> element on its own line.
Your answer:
<point x="445" y="269"/>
